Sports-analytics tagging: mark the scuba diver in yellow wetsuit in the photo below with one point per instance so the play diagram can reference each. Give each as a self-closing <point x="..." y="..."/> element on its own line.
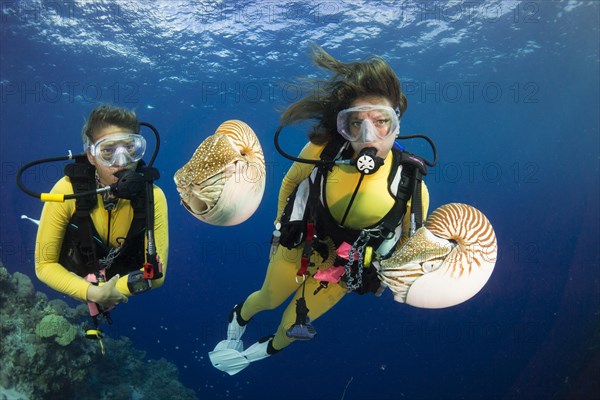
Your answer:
<point x="343" y="205"/>
<point x="106" y="245"/>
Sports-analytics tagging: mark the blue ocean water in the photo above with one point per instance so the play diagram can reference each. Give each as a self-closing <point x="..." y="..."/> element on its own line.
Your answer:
<point x="509" y="92"/>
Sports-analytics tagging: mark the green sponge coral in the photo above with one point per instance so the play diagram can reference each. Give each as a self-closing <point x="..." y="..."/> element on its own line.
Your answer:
<point x="56" y="325"/>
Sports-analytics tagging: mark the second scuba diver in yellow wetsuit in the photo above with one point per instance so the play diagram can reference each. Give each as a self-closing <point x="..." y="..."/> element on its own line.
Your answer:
<point x="334" y="220"/>
<point x="93" y="248"/>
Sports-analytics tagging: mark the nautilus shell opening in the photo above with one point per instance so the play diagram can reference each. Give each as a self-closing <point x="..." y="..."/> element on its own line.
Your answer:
<point x="224" y="181"/>
<point x="446" y="262"/>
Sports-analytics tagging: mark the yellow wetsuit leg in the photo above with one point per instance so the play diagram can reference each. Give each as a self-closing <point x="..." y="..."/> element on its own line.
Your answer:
<point x="278" y="285"/>
<point x="317" y="304"/>
<point x="280" y="282"/>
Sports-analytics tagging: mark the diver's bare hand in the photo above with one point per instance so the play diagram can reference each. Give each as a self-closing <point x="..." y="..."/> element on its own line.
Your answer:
<point x="106" y="295"/>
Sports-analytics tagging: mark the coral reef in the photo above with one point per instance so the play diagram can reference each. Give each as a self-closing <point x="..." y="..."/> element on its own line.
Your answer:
<point x="56" y="325"/>
<point x="44" y="354"/>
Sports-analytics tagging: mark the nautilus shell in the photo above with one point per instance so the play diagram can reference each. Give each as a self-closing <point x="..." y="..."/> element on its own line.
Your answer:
<point x="446" y="262"/>
<point x="224" y="181"/>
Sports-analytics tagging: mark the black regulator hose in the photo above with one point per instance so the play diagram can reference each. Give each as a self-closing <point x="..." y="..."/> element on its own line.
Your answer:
<point x="52" y="196"/>
<point x="433" y="148"/>
<point x="288" y="156"/>
<point x="157" y="146"/>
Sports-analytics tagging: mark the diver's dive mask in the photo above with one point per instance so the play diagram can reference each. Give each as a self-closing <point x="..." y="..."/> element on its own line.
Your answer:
<point x="118" y="150"/>
<point x="368" y="123"/>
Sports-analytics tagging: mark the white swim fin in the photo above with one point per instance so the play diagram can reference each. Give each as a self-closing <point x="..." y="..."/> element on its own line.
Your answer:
<point x="227" y="360"/>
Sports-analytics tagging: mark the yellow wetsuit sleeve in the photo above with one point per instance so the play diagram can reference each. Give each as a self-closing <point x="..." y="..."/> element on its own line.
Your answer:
<point x="296" y="174"/>
<point x="161" y="238"/>
<point x="53" y="223"/>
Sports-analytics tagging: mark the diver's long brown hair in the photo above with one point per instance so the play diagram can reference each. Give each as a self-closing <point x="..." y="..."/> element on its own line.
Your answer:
<point x="326" y="97"/>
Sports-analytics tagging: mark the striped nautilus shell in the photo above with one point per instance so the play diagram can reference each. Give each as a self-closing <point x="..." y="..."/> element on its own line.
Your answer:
<point x="446" y="262"/>
<point x="224" y="181"/>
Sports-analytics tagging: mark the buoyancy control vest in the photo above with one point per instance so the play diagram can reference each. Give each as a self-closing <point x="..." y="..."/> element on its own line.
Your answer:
<point x="82" y="251"/>
<point x="307" y="219"/>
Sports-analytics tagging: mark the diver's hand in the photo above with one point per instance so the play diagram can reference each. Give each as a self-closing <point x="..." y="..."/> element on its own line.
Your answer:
<point x="106" y="295"/>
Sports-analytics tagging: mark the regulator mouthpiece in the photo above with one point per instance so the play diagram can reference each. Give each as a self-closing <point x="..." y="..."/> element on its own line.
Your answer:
<point x="129" y="184"/>
<point x="368" y="162"/>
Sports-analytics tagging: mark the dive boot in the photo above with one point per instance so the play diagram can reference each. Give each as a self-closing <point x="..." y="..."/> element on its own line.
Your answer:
<point x="237" y="325"/>
<point x="235" y="330"/>
<point x="227" y="356"/>
<point x="261" y="349"/>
